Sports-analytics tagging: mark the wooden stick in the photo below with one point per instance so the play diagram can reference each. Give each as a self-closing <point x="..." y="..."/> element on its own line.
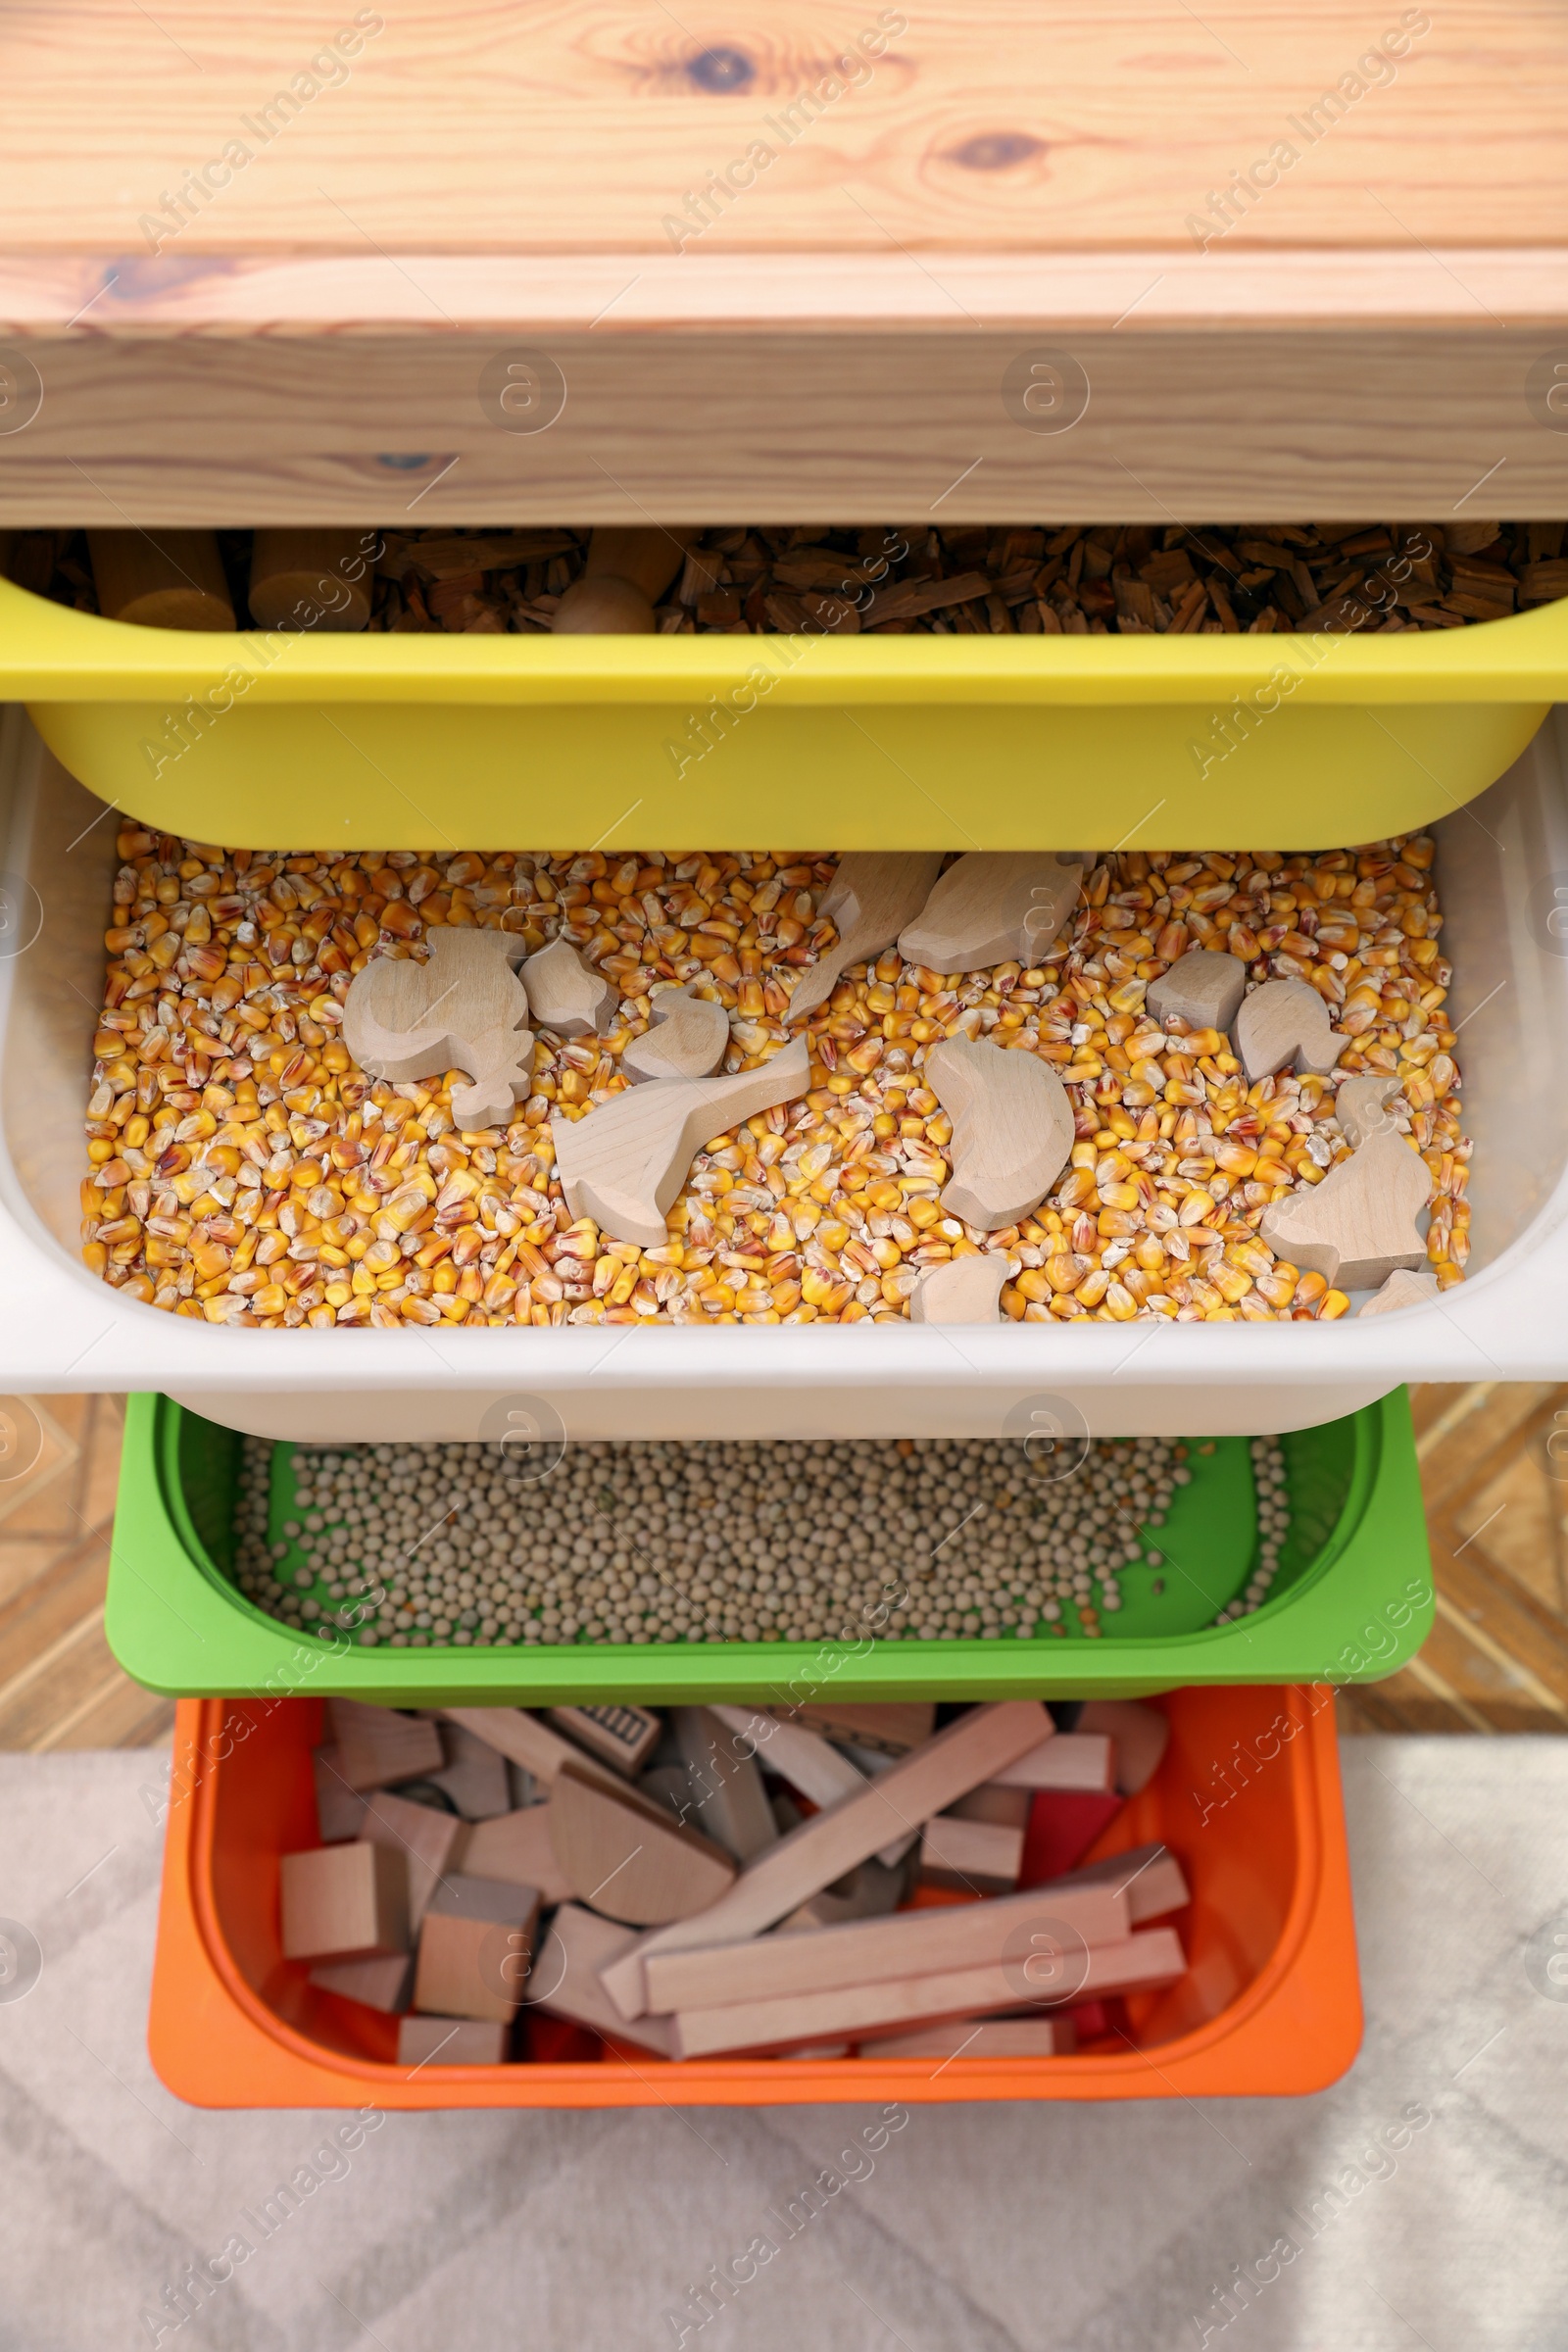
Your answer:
<point x="623" y="1163"/>
<point x="377" y="1745"/>
<point x="1148" y="1875"/>
<point x="425" y="1839"/>
<point x="909" y="1943"/>
<point x="969" y="1751"/>
<point x="1012" y="1129"/>
<point x="161" y="580"/>
<point x="723" y="1796"/>
<point x="1140" y="1735"/>
<point x="523" y="1740"/>
<point x="566" y="1978"/>
<point x="871" y="896"/>
<point x="310" y="579"/>
<point x="1155" y="1957"/>
<point x="1070" y="1760"/>
<point x="978" y="1855"/>
<point x="982" y="2037"/>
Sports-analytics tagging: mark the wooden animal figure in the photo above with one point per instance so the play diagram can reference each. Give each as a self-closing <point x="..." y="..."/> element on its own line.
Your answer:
<point x="966" y="1289"/>
<point x="463" y="1008"/>
<point x="871" y="896"/>
<point x="563" y="995"/>
<point x="1402" y="1288"/>
<point x="687" y="1040"/>
<point x="628" y="569"/>
<point x="1357" y="1227"/>
<point x="989" y="907"/>
<point x="1204" y="988"/>
<point x="1285" y="1021"/>
<point x="1012" y="1129"/>
<point x="623" y="1163"/>
<point x="1360" y="1105"/>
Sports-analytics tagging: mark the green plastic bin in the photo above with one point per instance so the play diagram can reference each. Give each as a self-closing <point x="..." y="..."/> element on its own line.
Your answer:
<point x="1351" y="1601"/>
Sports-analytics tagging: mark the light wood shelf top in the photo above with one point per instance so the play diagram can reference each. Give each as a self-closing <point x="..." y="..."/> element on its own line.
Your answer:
<point x="1304" y="260"/>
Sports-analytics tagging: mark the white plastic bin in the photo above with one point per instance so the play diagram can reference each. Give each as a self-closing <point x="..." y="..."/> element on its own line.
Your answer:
<point x="1502" y="860"/>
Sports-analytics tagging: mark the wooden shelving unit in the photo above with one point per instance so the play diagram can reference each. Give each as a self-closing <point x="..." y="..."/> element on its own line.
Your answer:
<point x="979" y="192"/>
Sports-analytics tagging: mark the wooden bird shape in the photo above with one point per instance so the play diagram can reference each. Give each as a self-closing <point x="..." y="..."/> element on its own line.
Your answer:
<point x="463" y="1008"/>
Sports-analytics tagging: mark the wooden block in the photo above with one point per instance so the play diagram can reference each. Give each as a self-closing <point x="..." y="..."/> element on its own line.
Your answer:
<point x="1361" y="1105"/>
<point x="564" y="996"/>
<point x="1148" y="1875"/>
<point x="1071" y="1761"/>
<point x="687" y="1039"/>
<point x="1357" y="1227"/>
<point x="339" y="1807"/>
<point x="160" y="579"/>
<point x="1202" y="988"/>
<point x="626" y="572"/>
<point x="344" y="1902"/>
<point x="891" y="1728"/>
<point x="993" y="1802"/>
<point x="873" y="895"/>
<point x="1063" y="1823"/>
<point x="724" y="1796"/>
<point x="386" y="1983"/>
<point x="971" y="1749"/>
<point x="981" y="2037"/>
<point x="868" y="1892"/>
<point x="1012" y="1129"/>
<point x="579" y="1945"/>
<point x="473" y="1775"/>
<point x="475" y="1945"/>
<point x="1285" y="1021"/>
<point x="463" y="1008"/>
<point x="980" y="1856"/>
<point x="528" y="1742"/>
<point x="310" y="579"/>
<point x="1403" y="1288"/>
<point x="518" y="1847"/>
<point x="991" y="906"/>
<point x="425" y="1839"/>
<point x="623" y="1163"/>
<point x="377" y="1745"/>
<point x="808" y="1761"/>
<point x="626" y="1857"/>
<point x="966" y="1289"/>
<point x="1141" y="1962"/>
<point x="451" y="2042"/>
<point x="1140" y="1735"/>
<point x="924" y="1942"/>
<point x="618" y="1735"/>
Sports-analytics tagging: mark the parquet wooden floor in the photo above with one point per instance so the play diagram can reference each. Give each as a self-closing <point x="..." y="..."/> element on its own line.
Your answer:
<point x="1493" y="1469"/>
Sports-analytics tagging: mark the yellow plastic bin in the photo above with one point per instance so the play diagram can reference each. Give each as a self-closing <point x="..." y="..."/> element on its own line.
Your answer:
<point x="920" y="741"/>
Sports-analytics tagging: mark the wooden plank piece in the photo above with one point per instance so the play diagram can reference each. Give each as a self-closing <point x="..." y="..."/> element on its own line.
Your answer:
<point x="873" y="895"/>
<point x="959" y="1758"/>
<point x="991" y="906"/>
<point x="1148" y="1875"/>
<point x="809" y="1763"/>
<point x="339" y="1807"/>
<point x="1012" y="1129"/>
<point x="1151" y="1958"/>
<point x="981" y="1855"/>
<point x="628" y="1858"/>
<point x="526" y="1741"/>
<point x="981" y="2037"/>
<point x="892" y="1726"/>
<point x="451" y="2042"/>
<point x="473" y="1775"/>
<point x="724" y="1794"/>
<point x="924" y="1942"/>
<point x="426" y="1839"/>
<point x="1071" y="1761"/>
<point x="1140" y="1736"/>
<point x="566" y="1982"/>
<point x="464" y="1007"/>
<point x="1357" y="1227"/>
<point x="624" y="1160"/>
<point x="377" y="1746"/>
<point x="619" y="1735"/>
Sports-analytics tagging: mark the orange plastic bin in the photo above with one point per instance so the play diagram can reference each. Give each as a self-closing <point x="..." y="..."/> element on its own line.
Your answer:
<point x="1247" y="1797"/>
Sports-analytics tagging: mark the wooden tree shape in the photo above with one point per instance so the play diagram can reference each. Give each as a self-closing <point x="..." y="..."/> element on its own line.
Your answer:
<point x="871" y="896"/>
<point x="687" y="1040"/>
<point x="1012" y="1129"/>
<point x="623" y="1163"/>
<point x="989" y="907"/>
<point x="463" y="1008"/>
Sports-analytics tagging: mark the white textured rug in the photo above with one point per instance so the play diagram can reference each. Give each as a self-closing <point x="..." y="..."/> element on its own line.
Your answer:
<point x="1105" y="2228"/>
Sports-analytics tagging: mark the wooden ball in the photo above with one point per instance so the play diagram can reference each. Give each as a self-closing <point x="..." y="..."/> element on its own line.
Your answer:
<point x="605" y="607"/>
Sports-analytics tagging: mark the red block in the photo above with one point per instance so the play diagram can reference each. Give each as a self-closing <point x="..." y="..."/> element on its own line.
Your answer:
<point x="1063" y="1823"/>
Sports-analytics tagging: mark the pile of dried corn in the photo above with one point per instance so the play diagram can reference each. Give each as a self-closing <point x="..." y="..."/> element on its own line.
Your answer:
<point x="243" y="1169"/>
